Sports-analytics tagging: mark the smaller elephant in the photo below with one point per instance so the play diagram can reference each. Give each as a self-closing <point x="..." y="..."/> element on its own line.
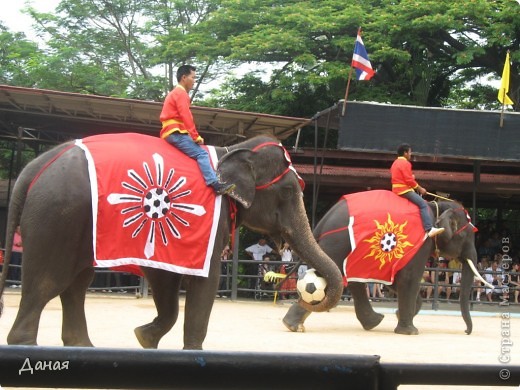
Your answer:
<point x="458" y="241"/>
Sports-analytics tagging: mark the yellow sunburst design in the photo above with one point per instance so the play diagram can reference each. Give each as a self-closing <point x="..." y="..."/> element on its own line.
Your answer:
<point x="388" y="230"/>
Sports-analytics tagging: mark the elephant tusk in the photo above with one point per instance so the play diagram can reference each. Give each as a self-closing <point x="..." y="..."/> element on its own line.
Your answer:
<point x="479" y="277"/>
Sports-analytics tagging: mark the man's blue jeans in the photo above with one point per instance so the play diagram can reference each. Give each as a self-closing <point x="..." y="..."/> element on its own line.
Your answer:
<point x="185" y="144"/>
<point x="426" y="218"/>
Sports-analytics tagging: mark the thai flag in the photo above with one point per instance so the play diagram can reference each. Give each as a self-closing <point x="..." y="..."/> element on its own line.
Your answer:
<point x="360" y="60"/>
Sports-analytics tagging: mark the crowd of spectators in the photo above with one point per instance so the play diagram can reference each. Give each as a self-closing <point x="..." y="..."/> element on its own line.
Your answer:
<point x="498" y="261"/>
<point x="498" y="253"/>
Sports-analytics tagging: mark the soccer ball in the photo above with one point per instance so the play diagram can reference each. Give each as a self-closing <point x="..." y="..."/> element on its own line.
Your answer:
<point x="156" y="203"/>
<point x="311" y="287"/>
<point x="388" y="242"/>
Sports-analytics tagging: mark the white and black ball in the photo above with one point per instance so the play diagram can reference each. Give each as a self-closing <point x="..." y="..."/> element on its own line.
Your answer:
<point x="156" y="203"/>
<point x="388" y="242"/>
<point x="311" y="287"/>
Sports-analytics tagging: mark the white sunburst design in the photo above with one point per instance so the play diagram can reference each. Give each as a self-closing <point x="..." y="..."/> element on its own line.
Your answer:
<point x="153" y="203"/>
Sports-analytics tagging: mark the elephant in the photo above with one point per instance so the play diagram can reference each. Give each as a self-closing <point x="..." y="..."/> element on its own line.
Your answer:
<point x="458" y="240"/>
<point x="56" y="224"/>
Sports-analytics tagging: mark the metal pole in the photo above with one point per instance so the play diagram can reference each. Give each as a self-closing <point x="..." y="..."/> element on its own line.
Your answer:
<point x="234" y="270"/>
<point x="314" y="179"/>
<point x="476" y="182"/>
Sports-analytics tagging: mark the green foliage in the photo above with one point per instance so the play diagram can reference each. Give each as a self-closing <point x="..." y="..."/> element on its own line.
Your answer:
<point x="10" y="161"/>
<point x="17" y="58"/>
<point x="425" y="52"/>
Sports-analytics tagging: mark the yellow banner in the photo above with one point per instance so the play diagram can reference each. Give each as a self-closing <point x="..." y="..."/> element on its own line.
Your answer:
<point x="504" y="85"/>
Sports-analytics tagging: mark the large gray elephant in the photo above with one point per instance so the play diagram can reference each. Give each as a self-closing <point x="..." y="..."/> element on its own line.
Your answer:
<point x="458" y="241"/>
<point x="56" y="224"/>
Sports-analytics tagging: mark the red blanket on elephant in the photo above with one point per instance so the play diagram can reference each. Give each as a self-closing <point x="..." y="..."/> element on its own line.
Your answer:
<point x="150" y="205"/>
<point x="385" y="231"/>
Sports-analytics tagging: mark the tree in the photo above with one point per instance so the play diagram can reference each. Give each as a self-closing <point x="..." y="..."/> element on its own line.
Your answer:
<point x="426" y="53"/>
<point x="18" y="57"/>
<point x="119" y="47"/>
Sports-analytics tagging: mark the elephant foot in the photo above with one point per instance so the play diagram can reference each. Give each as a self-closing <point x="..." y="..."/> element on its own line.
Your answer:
<point x="12" y="341"/>
<point x="295" y="317"/>
<point x="192" y="348"/>
<point x="145" y="337"/>
<point x="407" y="330"/>
<point x="21" y="338"/>
<point x="299" y="327"/>
<point x="373" y="321"/>
<point x="77" y="343"/>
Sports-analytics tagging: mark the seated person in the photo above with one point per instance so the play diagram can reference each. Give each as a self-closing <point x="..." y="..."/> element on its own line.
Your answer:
<point x="444" y="278"/>
<point x="428" y="280"/>
<point x="455" y="276"/>
<point x="495" y="276"/>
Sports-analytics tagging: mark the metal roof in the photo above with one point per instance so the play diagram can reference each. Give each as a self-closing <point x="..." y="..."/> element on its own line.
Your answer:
<point x="57" y="116"/>
<point x="456" y="183"/>
<point x="343" y="172"/>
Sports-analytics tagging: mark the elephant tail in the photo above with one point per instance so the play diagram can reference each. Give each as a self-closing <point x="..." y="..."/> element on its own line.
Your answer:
<point x="13" y="218"/>
<point x="17" y="202"/>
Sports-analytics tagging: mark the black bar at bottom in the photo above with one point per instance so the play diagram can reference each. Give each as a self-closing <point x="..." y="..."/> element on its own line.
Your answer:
<point x="69" y="367"/>
<point x="394" y="374"/>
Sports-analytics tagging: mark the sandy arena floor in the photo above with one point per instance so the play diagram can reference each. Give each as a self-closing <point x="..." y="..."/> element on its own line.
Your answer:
<point x="256" y="326"/>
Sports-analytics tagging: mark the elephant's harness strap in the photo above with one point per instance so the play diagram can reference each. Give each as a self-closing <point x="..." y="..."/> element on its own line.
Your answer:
<point x="289" y="168"/>
<point x="467" y="224"/>
<point x="263" y="186"/>
<point x="50" y="162"/>
<point x="233" y="216"/>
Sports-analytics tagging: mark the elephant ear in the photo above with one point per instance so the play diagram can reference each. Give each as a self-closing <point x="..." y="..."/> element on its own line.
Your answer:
<point x="448" y="221"/>
<point x="236" y="167"/>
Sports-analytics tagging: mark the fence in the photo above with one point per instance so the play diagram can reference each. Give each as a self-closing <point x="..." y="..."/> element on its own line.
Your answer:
<point x="247" y="283"/>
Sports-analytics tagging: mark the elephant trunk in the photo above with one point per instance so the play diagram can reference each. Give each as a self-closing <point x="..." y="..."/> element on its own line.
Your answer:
<point x="305" y="246"/>
<point x="466" y="284"/>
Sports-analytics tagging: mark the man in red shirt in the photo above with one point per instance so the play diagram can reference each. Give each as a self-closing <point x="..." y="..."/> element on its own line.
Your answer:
<point x="404" y="184"/>
<point x="178" y="128"/>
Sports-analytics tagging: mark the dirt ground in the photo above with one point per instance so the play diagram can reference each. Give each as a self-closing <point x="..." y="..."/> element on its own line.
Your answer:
<point x="256" y="326"/>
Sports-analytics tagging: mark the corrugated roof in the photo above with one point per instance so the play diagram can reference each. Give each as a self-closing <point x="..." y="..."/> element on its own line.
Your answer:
<point x="351" y="179"/>
<point x="64" y="115"/>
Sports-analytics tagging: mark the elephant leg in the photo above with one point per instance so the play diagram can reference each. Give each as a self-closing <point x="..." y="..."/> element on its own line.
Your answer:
<point x="409" y="304"/>
<point x="418" y="304"/>
<point x="366" y="315"/>
<point x="200" y="295"/>
<point x="165" y="290"/>
<point x="295" y="318"/>
<point x="37" y="290"/>
<point x="25" y="327"/>
<point x="74" y="329"/>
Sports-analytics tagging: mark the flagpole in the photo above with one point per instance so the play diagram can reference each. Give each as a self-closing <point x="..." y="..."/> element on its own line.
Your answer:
<point x="346" y="92"/>
<point x="348" y="82"/>
<point x="502" y="113"/>
<point x="504" y="87"/>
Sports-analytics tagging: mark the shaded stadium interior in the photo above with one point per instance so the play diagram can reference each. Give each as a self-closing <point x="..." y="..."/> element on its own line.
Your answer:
<point x="31" y="118"/>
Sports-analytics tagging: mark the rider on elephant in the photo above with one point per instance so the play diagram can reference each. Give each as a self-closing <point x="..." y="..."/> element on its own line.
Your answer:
<point x="178" y="128"/>
<point x="405" y="185"/>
